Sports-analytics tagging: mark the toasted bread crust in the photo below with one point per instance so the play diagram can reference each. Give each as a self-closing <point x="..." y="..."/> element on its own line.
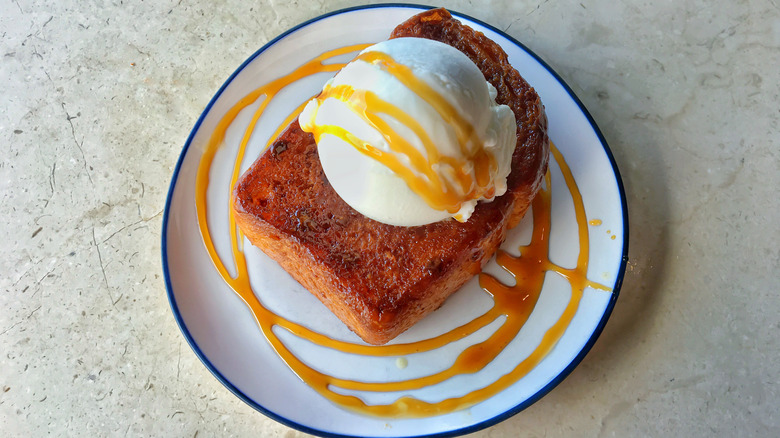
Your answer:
<point x="380" y="279"/>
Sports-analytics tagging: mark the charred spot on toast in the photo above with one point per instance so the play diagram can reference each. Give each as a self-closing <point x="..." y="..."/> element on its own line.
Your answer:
<point x="278" y="147"/>
<point x="434" y="265"/>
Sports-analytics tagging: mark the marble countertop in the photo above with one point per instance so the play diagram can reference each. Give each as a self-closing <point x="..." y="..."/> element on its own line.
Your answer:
<point x="99" y="97"/>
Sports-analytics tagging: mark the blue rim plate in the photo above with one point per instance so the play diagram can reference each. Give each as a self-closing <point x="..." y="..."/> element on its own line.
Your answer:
<point x="224" y="335"/>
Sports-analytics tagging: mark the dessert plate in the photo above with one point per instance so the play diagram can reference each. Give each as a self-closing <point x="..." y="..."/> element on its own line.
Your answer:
<point x="225" y="335"/>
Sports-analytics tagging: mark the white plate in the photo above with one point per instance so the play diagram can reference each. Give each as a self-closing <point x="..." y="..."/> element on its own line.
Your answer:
<point x="223" y="333"/>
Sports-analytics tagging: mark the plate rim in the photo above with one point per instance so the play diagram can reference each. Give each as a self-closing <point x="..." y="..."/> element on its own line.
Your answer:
<point x="455" y="432"/>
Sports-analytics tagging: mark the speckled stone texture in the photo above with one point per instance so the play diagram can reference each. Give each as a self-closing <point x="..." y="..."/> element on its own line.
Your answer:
<point x="99" y="97"/>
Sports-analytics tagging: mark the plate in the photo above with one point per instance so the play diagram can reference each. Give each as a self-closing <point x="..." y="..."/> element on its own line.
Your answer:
<point x="225" y="335"/>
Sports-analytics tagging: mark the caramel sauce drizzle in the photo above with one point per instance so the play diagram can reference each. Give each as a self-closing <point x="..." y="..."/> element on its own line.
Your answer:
<point x="441" y="194"/>
<point x="515" y="302"/>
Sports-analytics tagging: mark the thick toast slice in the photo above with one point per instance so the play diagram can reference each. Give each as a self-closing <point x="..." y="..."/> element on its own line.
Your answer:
<point x="380" y="279"/>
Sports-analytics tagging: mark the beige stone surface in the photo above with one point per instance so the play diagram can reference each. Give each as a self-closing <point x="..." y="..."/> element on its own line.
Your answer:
<point x="98" y="98"/>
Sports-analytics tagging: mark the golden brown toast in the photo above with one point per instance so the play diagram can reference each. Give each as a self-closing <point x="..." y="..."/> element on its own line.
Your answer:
<point x="380" y="279"/>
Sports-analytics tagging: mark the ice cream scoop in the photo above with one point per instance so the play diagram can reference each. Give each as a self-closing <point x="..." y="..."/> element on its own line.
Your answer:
<point x="409" y="133"/>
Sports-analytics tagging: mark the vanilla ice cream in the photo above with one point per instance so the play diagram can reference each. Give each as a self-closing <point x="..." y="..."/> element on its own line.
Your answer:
<point x="409" y="133"/>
